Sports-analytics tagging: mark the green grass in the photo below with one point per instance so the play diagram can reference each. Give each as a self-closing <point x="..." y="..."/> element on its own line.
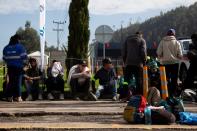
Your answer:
<point x="66" y="87"/>
<point x="1" y="79"/>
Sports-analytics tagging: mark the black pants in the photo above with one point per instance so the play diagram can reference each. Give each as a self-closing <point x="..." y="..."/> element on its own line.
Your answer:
<point x="172" y="77"/>
<point x="15" y="82"/>
<point x="78" y="88"/>
<point x="191" y="74"/>
<point x="137" y="71"/>
<point x="55" y="84"/>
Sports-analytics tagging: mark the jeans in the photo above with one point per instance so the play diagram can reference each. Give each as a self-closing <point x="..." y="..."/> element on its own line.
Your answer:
<point x="76" y="87"/>
<point x="15" y="81"/>
<point x="110" y="89"/>
<point x="32" y="88"/>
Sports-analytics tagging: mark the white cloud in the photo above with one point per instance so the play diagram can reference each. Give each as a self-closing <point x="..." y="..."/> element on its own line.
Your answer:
<point x="133" y="6"/>
<point x="103" y="7"/>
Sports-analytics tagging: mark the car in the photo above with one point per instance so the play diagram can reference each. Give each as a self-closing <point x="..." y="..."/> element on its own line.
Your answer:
<point x="184" y="63"/>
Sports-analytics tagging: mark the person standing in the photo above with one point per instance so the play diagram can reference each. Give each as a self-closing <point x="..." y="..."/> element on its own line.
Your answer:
<point x="169" y="53"/>
<point x="192" y="56"/>
<point x="14" y="54"/>
<point x="134" y="57"/>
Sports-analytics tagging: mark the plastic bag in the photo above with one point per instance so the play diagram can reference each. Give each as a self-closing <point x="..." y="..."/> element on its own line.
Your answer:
<point x="188" y="118"/>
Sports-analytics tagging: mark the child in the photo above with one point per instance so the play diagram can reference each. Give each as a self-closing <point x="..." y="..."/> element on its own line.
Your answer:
<point x="154" y="95"/>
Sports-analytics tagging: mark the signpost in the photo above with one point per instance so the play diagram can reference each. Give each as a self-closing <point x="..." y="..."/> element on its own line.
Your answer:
<point x="103" y="34"/>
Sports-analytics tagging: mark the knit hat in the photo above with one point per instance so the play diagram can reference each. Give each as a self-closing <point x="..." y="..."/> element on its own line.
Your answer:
<point x="171" y="32"/>
<point x="153" y="65"/>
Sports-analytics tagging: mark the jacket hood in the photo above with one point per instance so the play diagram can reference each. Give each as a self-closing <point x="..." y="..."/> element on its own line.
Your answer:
<point x="169" y="38"/>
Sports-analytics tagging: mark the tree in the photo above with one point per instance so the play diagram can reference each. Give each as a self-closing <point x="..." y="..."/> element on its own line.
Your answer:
<point x="30" y="37"/>
<point x="182" y="19"/>
<point x="78" y="32"/>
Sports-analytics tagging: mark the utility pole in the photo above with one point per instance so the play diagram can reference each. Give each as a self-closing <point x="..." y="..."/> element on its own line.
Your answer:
<point x="58" y="31"/>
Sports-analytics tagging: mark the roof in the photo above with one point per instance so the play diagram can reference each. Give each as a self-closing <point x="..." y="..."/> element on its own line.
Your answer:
<point x="36" y="54"/>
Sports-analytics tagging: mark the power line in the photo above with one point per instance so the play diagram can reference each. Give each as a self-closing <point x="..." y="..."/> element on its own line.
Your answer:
<point x="58" y="30"/>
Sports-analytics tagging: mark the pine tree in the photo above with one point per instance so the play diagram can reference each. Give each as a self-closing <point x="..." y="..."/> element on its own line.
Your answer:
<point x="78" y="32"/>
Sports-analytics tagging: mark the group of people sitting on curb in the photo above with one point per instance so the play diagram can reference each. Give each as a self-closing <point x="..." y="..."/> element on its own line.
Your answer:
<point x="85" y="86"/>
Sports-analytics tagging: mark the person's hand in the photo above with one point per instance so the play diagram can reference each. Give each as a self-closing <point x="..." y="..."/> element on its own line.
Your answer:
<point x="86" y="74"/>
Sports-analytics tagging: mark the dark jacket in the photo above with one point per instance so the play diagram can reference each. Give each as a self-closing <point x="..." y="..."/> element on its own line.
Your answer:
<point x="192" y="54"/>
<point x="14" y="55"/>
<point x="134" y="50"/>
<point x="105" y="76"/>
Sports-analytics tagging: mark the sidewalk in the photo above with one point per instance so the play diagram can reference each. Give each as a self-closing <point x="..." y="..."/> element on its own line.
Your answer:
<point x="75" y="115"/>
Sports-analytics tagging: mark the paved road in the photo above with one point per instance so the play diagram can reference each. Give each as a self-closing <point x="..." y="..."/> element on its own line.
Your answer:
<point x="75" y="115"/>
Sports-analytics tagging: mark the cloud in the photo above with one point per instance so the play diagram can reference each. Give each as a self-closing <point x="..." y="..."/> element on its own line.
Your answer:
<point x="133" y="6"/>
<point x="101" y="7"/>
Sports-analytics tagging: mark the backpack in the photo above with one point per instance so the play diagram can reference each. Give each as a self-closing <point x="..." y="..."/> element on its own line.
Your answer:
<point x="134" y="111"/>
<point x="126" y="88"/>
<point x="173" y="105"/>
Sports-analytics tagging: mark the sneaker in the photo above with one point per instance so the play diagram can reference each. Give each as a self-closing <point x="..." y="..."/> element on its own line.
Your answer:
<point x="61" y="97"/>
<point x="18" y="99"/>
<point x="29" y="98"/>
<point x="40" y="96"/>
<point x="10" y="99"/>
<point x="93" y="97"/>
<point x="114" y="98"/>
<point x="77" y="98"/>
<point x="50" y="97"/>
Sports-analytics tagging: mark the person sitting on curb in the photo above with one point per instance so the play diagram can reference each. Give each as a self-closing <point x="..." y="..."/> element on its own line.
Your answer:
<point x="107" y="80"/>
<point x="79" y="80"/>
<point x="154" y="95"/>
<point x="55" y="81"/>
<point x="32" y="76"/>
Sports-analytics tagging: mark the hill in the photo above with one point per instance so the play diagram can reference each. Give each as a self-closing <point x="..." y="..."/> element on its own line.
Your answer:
<point x="182" y="19"/>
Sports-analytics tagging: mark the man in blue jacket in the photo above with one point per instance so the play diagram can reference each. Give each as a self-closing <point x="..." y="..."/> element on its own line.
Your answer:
<point x="107" y="80"/>
<point x="14" y="54"/>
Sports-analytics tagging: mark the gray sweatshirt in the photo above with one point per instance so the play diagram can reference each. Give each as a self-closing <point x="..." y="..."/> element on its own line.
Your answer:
<point x="134" y="51"/>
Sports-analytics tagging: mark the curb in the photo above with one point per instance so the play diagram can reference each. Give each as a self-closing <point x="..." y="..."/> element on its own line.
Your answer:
<point x="29" y="114"/>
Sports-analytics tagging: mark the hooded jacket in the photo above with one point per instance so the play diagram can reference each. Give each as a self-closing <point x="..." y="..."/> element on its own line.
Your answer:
<point x="15" y="55"/>
<point x="169" y="50"/>
<point x="134" y="51"/>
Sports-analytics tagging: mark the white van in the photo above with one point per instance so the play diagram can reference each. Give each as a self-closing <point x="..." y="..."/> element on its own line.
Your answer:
<point x="184" y="63"/>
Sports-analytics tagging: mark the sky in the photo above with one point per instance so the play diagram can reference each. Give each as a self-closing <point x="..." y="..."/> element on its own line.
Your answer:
<point x="14" y="14"/>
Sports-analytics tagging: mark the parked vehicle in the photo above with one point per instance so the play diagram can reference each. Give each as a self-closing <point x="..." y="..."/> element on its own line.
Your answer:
<point x="184" y="63"/>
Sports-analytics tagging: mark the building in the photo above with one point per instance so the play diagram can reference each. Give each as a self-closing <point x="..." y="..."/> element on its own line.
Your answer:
<point x="37" y="56"/>
<point x="112" y="50"/>
<point x="57" y="55"/>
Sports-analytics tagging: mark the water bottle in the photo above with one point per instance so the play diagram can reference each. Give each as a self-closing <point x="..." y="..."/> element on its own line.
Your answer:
<point x="147" y="113"/>
<point x="132" y="83"/>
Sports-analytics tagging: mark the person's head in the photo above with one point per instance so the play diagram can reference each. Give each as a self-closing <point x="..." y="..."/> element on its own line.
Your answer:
<point x="33" y="62"/>
<point x="171" y="32"/>
<point x="82" y="65"/>
<point x="139" y="33"/>
<point x="14" y="39"/>
<point x="153" y="66"/>
<point x="107" y="63"/>
<point x="53" y="61"/>
<point x="194" y="38"/>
